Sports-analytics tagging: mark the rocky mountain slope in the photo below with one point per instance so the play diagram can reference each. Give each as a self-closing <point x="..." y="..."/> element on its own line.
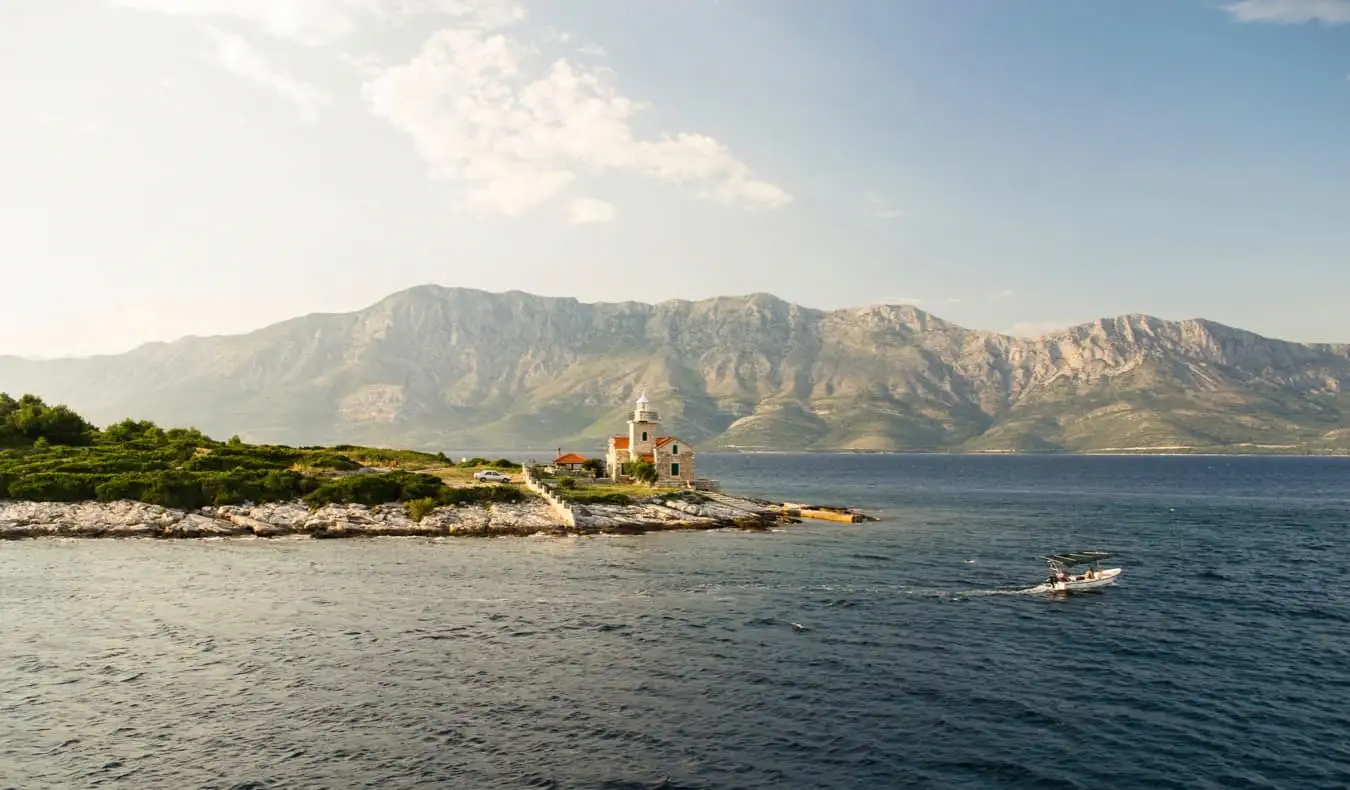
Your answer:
<point x="451" y="369"/>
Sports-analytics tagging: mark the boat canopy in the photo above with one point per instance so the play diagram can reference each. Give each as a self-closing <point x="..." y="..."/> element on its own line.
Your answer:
<point x="1069" y="559"/>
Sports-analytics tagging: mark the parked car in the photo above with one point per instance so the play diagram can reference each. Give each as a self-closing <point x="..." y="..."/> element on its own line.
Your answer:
<point x="491" y="476"/>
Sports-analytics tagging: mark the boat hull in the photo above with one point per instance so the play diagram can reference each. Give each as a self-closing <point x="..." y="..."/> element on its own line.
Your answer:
<point x="1106" y="578"/>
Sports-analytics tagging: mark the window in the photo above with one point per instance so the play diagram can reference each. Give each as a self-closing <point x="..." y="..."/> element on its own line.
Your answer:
<point x="674" y="449"/>
<point x="644" y="436"/>
<point x="674" y="470"/>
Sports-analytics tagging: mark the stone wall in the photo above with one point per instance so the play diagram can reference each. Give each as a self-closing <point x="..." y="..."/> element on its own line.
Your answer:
<point x="663" y="458"/>
<point x="565" y="512"/>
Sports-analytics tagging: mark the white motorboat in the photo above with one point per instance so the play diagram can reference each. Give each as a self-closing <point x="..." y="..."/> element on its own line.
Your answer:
<point x="1093" y="577"/>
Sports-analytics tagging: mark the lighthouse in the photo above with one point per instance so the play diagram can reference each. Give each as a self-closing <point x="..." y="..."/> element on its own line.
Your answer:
<point x="642" y="428"/>
<point x="673" y="459"/>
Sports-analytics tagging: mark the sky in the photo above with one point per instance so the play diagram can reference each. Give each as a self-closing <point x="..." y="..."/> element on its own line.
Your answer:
<point x="198" y="167"/>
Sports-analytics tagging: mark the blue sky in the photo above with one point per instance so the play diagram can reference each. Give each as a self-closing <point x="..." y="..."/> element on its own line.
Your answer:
<point x="183" y="167"/>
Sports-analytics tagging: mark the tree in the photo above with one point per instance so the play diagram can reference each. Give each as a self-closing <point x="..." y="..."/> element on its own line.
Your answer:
<point x="643" y="472"/>
<point x="595" y="466"/>
<point x="189" y="436"/>
<point x="30" y="419"/>
<point x="130" y="430"/>
<point x="8" y="436"/>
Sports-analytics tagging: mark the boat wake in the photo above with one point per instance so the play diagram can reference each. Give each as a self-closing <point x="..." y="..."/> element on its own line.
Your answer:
<point x="1037" y="590"/>
<point x="961" y="595"/>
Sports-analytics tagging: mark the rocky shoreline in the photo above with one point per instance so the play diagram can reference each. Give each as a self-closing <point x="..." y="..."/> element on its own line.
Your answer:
<point x="128" y="519"/>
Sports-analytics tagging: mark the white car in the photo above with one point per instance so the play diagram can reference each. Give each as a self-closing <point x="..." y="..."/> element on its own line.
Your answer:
<point x="491" y="476"/>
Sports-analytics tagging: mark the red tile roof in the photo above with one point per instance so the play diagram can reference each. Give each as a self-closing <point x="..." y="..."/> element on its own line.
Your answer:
<point x="662" y="441"/>
<point x="620" y="442"/>
<point x="648" y="458"/>
<point x="570" y="458"/>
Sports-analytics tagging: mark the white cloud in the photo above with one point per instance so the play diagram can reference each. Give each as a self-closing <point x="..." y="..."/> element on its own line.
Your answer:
<point x="324" y="21"/>
<point x="1291" y="12"/>
<point x="481" y="106"/>
<point x="909" y="300"/>
<point x="1001" y="295"/>
<point x="1036" y="328"/>
<point x="586" y="211"/>
<point x="479" y="109"/>
<point x="236" y="55"/>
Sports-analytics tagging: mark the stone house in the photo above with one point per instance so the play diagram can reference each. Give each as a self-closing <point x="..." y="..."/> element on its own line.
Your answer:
<point x="673" y="459"/>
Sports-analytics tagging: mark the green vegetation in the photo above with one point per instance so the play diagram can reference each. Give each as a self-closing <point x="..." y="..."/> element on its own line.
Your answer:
<point x="51" y="454"/>
<point x="480" y="463"/>
<point x="372" y="456"/>
<point x="588" y="493"/>
<point x="598" y="498"/>
<point x="641" y="471"/>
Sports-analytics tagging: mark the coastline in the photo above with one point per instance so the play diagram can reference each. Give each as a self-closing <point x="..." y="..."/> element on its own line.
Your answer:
<point x="1109" y="452"/>
<point x="130" y="519"/>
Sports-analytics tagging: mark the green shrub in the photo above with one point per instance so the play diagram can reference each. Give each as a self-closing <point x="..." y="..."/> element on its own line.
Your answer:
<point x="129" y="430"/>
<point x="641" y="471"/>
<point x="374" y="456"/>
<point x="419" y="508"/>
<point x="51" y="454"/>
<point x="600" y="499"/>
<point x="480" y="495"/>
<point x="123" y="487"/>
<point x="30" y="421"/>
<point x="234" y="489"/>
<point x="281" y="485"/>
<point x="188" y="436"/>
<point x="182" y="491"/>
<point x="329" y="461"/>
<point x="227" y="458"/>
<point x="105" y="465"/>
<point x="55" y="487"/>
<point x="375" y="489"/>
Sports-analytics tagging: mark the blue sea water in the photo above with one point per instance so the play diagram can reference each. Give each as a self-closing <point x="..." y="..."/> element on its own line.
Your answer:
<point x="892" y="654"/>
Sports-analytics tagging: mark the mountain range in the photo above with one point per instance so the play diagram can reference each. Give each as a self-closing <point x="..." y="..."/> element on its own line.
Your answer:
<point x="451" y="369"/>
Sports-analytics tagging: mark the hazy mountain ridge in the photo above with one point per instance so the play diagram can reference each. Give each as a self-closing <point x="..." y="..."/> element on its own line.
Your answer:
<point x="445" y="368"/>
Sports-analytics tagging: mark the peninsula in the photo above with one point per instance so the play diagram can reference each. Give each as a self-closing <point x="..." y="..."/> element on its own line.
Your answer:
<point x="62" y="476"/>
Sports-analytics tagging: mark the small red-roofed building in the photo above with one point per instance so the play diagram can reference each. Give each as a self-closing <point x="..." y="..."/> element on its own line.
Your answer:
<point x="673" y="459"/>
<point x="570" y="462"/>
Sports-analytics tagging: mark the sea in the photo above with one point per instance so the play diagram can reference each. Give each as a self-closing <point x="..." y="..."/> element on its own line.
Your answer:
<point x="915" y="651"/>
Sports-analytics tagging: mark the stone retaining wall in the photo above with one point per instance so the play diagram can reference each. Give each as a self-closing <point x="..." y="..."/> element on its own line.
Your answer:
<point x="564" y="510"/>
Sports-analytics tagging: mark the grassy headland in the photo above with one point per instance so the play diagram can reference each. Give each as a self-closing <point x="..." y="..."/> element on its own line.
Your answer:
<point x="52" y="454"/>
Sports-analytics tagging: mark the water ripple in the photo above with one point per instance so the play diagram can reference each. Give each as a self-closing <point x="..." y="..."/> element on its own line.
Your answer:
<point x="904" y="653"/>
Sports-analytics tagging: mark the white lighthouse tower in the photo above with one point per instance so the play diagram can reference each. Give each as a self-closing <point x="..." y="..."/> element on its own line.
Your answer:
<point x="642" y="428"/>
